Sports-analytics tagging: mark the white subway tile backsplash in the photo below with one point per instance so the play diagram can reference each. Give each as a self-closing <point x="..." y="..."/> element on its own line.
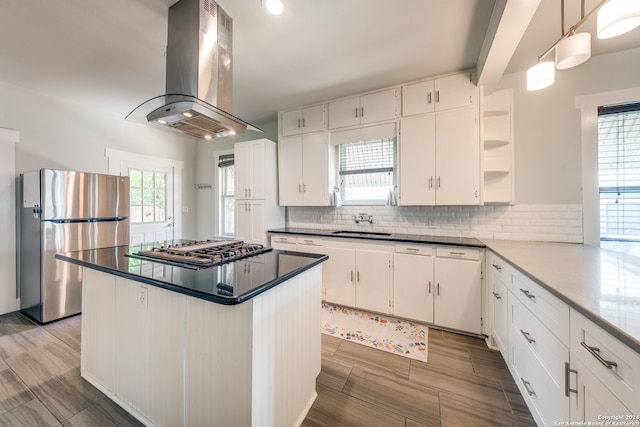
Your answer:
<point x="554" y="223"/>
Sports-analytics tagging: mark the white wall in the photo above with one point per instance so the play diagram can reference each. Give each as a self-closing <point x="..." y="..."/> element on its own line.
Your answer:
<point x="56" y="133"/>
<point x="547" y="126"/>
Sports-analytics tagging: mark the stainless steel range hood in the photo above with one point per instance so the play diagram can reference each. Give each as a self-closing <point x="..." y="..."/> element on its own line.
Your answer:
<point x="198" y="97"/>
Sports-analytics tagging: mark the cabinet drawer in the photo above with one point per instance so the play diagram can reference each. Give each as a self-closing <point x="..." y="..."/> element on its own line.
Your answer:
<point x="408" y="248"/>
<point x="552" y="312"/>
<point x="458" y="252"/>
<point x="551" y="353"/>
<point x="538" y="389"/>
<point x="499" y="268"/>
<point x="623" y="378"/>
<point x="283" y="239"/>
<point x="309" y="241"/>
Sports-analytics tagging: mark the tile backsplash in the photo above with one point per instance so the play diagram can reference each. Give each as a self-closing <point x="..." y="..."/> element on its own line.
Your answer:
<point x="550" y="223"/>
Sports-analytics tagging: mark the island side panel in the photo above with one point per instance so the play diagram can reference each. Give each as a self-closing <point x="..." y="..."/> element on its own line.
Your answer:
<point x="98" y="345"/>
<point x="287" y="350"/>
<point x="218" y="356"/>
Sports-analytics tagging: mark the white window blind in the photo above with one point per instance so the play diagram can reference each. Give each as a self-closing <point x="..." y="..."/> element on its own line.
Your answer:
<point x="619" y="172"/>
<point x="366" y="169"/>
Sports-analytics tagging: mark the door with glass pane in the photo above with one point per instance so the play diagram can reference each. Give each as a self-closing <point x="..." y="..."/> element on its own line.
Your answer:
<point x="151" y="204"/>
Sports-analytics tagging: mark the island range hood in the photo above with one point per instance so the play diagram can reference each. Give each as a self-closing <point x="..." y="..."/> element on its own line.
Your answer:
<point x="198" y="97"/>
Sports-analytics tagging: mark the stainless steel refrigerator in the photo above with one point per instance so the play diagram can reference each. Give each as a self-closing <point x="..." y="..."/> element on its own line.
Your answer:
<point x="65" y="211"/>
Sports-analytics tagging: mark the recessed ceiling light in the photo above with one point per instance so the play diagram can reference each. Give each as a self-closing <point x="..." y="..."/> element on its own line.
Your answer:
<point x="274" y="7"/>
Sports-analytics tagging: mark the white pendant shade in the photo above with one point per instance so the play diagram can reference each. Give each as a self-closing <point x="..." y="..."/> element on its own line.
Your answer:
<point x="617" y="17"/>
<point x="540" y="75"/>
<point x="573" y="50"/>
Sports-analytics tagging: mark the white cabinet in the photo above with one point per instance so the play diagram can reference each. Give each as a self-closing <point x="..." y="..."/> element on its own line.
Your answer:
<point x="498" y="276"/>
<point x="303" y="120"/>
<point x="458" y="288"/>
<point x="369" y="108"/>
<point x="304" y="168"/>
<point x="497" y="140"/>
<point x="358" y="275"/>
<point x="607" y="371"/>
<point x="250" y="221"/>
<point x="439" y="159"/>
<point x="413" y="282"/>
<point x="8" y="139"/>
<point x="439" y="94"/>
<point x="250" y="159"/>
<point x="256" y="203"/>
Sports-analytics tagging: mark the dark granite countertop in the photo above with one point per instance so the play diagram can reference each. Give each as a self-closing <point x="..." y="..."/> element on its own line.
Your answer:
<point x="231" y="283"/>
<point x="388" y="237"/>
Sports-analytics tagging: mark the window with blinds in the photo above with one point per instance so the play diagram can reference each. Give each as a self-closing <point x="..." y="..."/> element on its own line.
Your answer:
<point x="366" y="170"/>
<point x="619" y="173"/>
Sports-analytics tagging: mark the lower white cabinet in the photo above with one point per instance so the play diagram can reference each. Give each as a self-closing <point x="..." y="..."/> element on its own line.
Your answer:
<point x="499" y="314"/>
<point x="358" y="275"/>
<point x="458" y="288"/>
<point x="250" y="221"/>
<point x="443" y="287"/>
<point x="413" y="282"/>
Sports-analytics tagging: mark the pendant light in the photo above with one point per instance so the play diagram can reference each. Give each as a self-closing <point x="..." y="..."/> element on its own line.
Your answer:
<point x="573" y="50"/>
<point x="540" y="75"/>
<point x="618" y="17"/>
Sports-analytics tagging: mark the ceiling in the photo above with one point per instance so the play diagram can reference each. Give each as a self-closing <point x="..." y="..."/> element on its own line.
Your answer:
<point x="110" y="54"/>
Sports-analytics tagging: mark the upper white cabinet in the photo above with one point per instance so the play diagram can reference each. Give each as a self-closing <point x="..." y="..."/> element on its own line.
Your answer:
<point x="256" y="201"/>
<point x="439" y="159"/>
<point x="439" y="94"/>
<point x="250" y="162"/>
<point x="497" y="139"/>
<point x="304" y="120"/>
<point x="369" y="108"/>
<point x="304" y="170"/>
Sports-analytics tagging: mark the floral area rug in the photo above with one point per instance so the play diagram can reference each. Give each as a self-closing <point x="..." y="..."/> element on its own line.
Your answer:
<point x="384" y="333"/>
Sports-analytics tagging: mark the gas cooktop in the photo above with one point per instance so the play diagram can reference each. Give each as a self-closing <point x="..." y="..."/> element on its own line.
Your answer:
<point x="201" y="254"/>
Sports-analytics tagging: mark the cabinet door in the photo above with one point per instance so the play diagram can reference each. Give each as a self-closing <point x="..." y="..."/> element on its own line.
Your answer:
<point x="458" y="294"/>
<point x="413" y="287"/>
<point x="340" y="276"/>
<point x="453" y="92"/>
<point x="592" y="399"/>
<point x="373" y="280"/>
<point x="290" y="171"/>
<point x="243" y="221"/>
<point x="313" y="119"/>
<point x="345" y="112"/>
<point x="457" y="158"/>
<point x="315" y="169"/>
<point x="258" y="168"/>
<point x="291" y="123"/>
<point x="257" y="218"/>
<point x="418" y="98"/>
<point x="379" y="106"/>
<point x="243" y="164"/>
<point x="499" y="319"/>
<point x="417" y="161"/>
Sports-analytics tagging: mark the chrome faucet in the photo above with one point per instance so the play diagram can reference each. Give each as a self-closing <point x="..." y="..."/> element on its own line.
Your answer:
<point x="363" y="217"/>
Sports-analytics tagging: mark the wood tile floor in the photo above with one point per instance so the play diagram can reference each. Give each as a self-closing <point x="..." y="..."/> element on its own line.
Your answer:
<point x="463" y="383"/>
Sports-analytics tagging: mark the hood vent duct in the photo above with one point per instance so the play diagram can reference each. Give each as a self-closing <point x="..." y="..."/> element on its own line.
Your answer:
<point x="199" y="82"/>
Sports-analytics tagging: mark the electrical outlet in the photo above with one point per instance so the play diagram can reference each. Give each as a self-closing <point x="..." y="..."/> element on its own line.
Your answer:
<point x="144" y="296"/>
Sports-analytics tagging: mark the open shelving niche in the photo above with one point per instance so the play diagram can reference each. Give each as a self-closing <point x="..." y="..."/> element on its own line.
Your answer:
<point x="497" y="153"/>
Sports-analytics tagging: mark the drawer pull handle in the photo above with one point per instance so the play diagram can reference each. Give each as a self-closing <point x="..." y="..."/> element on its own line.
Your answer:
<point x="308" y="241"/>
<point x="527" y="386"/>
<point x="527" y="293"/>
<point x="595" y="352"/>
<point x="456" y="253"/>
<point x="497" y="267"/>
<point x="567" y="372"/>
<point x="497" y="295"/>
<point x="527" y="336"/>
<point x="413" y="249"/>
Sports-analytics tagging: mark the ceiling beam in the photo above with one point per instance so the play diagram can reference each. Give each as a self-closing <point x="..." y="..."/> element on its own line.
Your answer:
<point x="509" y="21"/>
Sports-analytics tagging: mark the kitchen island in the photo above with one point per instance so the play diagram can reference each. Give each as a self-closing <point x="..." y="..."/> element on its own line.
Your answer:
<point x="234" y="344"/>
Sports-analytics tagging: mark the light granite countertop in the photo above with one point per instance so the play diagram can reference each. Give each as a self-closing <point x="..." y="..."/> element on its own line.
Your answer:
<point x="602" y="285"/>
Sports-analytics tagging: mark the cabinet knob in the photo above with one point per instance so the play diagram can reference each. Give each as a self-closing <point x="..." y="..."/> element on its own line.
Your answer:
<point x="527" y="293"/>
<point x="497" y="267"/>
<point x="497" y="295"/>
<point x="527" y="336"/>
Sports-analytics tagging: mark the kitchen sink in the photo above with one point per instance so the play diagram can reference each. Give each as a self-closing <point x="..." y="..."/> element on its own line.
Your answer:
<point x="360" y="233"/>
